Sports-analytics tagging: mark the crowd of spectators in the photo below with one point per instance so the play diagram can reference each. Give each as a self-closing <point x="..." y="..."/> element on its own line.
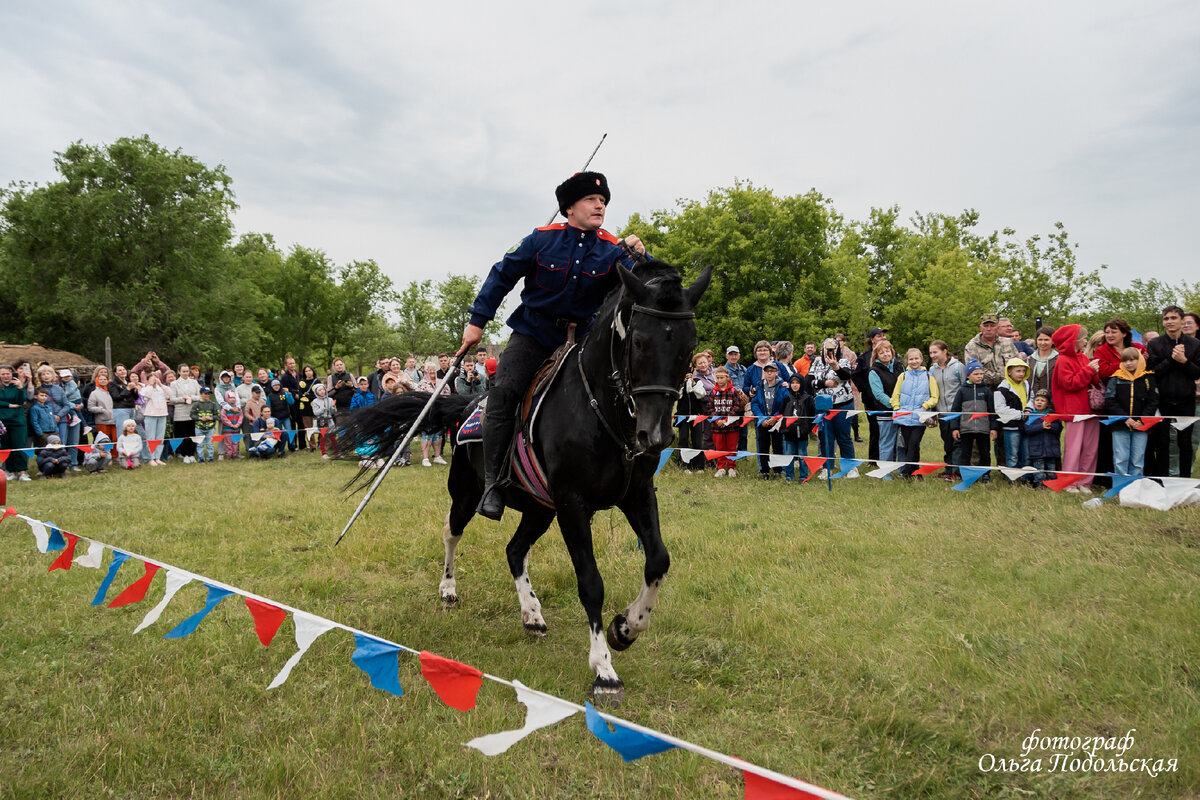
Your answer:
<point x="127" y="417"/>
<point x="1039" y="402"/>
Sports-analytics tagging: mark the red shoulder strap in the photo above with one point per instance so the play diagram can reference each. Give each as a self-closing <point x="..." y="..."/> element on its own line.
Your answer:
<point x="607" y="237"/>
<point x="558" y="226"/>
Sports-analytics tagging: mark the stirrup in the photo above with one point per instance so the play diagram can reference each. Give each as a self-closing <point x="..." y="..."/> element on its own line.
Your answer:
<point x="491" y="505"/>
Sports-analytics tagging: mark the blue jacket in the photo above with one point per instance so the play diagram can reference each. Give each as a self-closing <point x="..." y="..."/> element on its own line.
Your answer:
<point x="41" y="419"/>
<point x="760" y="409"/>
<point x="362" y="398"/>
<point x="753" y="376"/>
<point x="1042" y="442"/>
<point x="567" y="274"/>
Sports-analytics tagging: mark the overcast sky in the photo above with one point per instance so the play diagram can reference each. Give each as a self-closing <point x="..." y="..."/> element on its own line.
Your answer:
<point x="430" y="137"/>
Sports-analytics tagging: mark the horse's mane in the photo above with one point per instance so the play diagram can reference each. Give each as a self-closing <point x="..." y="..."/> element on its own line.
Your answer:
<point x="650" y="270"/>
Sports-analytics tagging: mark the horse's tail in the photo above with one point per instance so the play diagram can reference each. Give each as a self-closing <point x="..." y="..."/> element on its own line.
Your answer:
<point x="374" y="431"/>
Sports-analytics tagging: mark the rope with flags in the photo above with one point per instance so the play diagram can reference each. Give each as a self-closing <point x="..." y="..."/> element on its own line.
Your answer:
<point x="455" y="683"/>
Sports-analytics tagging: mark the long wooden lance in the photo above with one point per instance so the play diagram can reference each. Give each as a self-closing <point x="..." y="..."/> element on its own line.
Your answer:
<point x="586" y="164"/>
<point x="403" y="446"/>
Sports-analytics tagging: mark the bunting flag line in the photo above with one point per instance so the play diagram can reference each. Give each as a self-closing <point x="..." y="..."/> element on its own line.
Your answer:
<point x="457" y="684"/>
<point x="849" y="464"/>
<point x="1119" y="482"/>
<point x="969" y="476"/>
<point x="68" y="554"/>
<point x="885" y="468"/>
<point x="1063" y="480"/>
<point x="815" y="464"/>
<point x="929" y="469"/>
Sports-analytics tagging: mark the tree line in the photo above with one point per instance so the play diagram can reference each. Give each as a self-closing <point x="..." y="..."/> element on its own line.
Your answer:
<point x="136" y="242"/>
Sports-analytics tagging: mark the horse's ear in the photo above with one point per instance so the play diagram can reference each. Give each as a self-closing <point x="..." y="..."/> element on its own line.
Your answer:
<point x="633" y="287"/>
<point x="697" y="289"/>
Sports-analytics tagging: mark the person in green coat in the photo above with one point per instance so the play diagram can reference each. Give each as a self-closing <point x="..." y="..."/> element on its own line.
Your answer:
<point x="13" y="393"/>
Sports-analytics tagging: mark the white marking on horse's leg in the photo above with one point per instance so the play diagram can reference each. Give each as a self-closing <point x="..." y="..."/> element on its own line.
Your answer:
<point x="599" y="659"/>
<point x="637" y="616"/>
<point x="447" y="589"/>
<point x="531" y="607"/>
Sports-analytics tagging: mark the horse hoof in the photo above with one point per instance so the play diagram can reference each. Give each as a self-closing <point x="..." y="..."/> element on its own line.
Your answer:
<point x="617" y="640"/>
<point x="608" y="692"/>
<point x="449" y="601"/>
<point x="536" y="630"/>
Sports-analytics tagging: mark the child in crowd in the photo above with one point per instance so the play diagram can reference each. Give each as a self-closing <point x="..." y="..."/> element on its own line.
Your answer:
<point x="915" y="391"/>
<point x="231" y="423"/>
<point x="800" y="404"/>
<point x="98" y="459"/>
<point x="267" y="445"/>
<point x="1132" y="392"/>
<point x="767" y="404"/>
<point x="322" y="411"/>
<point x="74" y="399"/>
<point x="129" y="446"/>
<point x="205" y="416"/>
<point x="53" y="459"/>
<point x="1041" y="437"/>
<point x="363" y="396"/>
<point x="255" y="408"/>
<point x="41" y="418"/>
<point x="1011" y="400"/>
<point x="727" y="401"/>
<point x="976" y="424"/>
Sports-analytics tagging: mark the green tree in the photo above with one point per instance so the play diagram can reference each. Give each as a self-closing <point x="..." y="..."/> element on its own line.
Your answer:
<point x="361" y="294"/>
<point x="131" y="242"/>
<point x="415" y="319"/>
<point x="453" y="298"/>
<point x="1140" y="305"/>
<point x="772" y="277"/>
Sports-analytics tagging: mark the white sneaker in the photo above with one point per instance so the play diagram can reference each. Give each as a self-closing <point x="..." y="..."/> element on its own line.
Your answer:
<point x="852" y="473"/>
<point x="24" y="476"/>
<point x="732" y="472"/>
<point x="8" y="476"/>
<point x="439" y="460"/>
<point x="823" y="474"/>
<point x="326" y="456"/>
<point x="425" y="462"/>
<point x="719" y="473"/>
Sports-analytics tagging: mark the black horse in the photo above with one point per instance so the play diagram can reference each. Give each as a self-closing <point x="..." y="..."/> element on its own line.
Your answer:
<point x="597" y="434"/>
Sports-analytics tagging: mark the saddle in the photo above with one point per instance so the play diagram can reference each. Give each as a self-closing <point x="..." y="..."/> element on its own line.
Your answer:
<point x="524" y="469"/>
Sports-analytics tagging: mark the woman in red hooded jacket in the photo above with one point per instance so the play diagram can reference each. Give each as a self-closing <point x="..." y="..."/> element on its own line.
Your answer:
<point x="1069" y="383"/>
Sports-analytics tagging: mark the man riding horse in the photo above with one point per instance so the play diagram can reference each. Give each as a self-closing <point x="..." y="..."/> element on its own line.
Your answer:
<point x="568" y="269"/>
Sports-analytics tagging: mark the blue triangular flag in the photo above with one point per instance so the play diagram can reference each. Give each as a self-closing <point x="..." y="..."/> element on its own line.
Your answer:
<point x="847" y="465"/>
<point x="969" y="476"/>
<point x="629" y="743"/>
<point x="1119" y="482"/>
<point x="679" y="420"/>
<point x="57" y="542"/>
<point x="381" y="662"/>
<point x="663" y="458"/>
<point x="215" y="595"/>
<point x="237" y="438"/>
<point x="1113" y="420"/>
<point x="174" y="443"/>
<point x="106" y="446"/>
<point x="118" y="557"/>
<point x="291" y="437"/>
<point x="953" y="415"/>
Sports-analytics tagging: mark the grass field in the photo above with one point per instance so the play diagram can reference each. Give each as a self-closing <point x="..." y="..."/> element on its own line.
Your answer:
<point x="878" y="641"/>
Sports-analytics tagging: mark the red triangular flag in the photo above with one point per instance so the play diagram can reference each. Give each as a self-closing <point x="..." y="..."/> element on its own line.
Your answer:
<point x="815" y="429"/>
<point x="323" y="431"/>
<point x="790" y="421"/>
<point x="267" y="619"/>
<point x="154" y="444"/>
<point x="276" y="434"/>
<point x="87" y="448"/>
<point x="700" y="418"/>
<point x="68" y="555"/>
<point x="830" y="415"/>
<point x="926" y="469"/>
<point x="979" y="414"/>
<point x="1063" y="480"/>
<point x="8" y="512"/>
<point x="1149" y="422"/>
<point x="713" y="455"/>
<point x="813" y="463"/>
<point x="136" y="591"/>
<point x="218" y="439"/>
<point x="896" y="414"/>
<point x="1057" y="417"/>
<point x="456" y="683"/>
<point x="746" y="421"/>
<point x="4" y="455"/>
<point x="760" y="788"/>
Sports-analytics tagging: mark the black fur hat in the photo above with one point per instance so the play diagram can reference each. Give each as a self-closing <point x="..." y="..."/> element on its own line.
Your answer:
<point x="580" y="185"/>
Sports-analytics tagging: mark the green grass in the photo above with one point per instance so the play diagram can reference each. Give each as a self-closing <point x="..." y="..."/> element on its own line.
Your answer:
<point x="876" y="641"/>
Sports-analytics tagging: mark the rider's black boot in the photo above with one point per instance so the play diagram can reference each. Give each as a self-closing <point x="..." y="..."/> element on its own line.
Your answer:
<point x="499" y="423"/>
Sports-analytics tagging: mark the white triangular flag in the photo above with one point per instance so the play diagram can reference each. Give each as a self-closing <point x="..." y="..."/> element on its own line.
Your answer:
<point x="308" y="628"/>
<point x="176" y="580"/>
<point x="94" y="557"/>
<point x="1183" y="423"/>
<point x="925" y="416"/>
<point x="40" y="534"/>
<point x="197" y="439"/>
<point x="686" y="454"/>
<point x="256" y="437"/>
<point x="779" y="461"/>
<point x="885" y="468"/>
<point x="542" y="711"/>
<point x="1084" y="417"/>
<point x="1015" y="473"/>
